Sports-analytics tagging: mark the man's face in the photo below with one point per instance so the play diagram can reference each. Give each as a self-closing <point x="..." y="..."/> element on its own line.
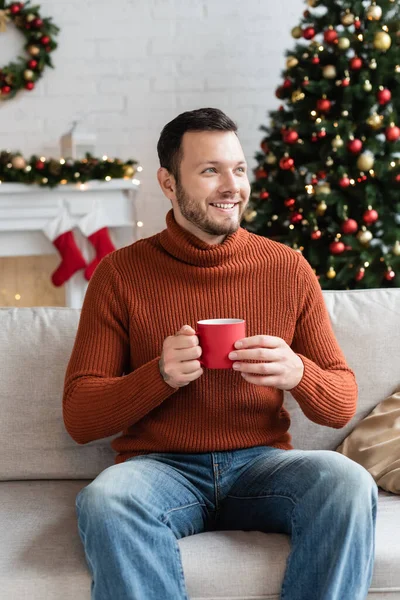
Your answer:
<point x="213" y="189"/>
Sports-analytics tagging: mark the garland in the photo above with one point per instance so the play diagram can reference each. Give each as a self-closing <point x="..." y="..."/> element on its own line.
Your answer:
<point x="51" y="172"/>
<point x="39" y="34"/>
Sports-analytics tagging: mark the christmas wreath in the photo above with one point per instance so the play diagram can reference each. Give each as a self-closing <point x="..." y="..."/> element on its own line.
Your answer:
<point x="39" y="34"/>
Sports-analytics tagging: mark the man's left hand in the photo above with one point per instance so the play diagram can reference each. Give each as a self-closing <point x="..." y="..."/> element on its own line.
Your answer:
<point x="280" y="367"/>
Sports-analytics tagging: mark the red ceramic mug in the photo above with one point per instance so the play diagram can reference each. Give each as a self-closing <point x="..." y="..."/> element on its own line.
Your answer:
<point x="217" y="338"/>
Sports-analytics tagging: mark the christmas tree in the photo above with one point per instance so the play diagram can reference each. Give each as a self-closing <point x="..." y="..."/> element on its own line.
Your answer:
<point x="327" y="181"/>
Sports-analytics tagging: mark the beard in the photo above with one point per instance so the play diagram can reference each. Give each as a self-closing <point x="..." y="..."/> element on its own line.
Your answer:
<point x="197" y="215"/>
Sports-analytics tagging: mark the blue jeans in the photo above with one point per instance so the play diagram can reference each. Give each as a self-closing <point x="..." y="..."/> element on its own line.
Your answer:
<point x="131" y="516"/>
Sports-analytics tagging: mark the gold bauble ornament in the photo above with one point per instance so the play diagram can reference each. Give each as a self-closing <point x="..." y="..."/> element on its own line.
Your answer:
<point x="337" y="142"/>
<point x="343" y="43"/>
<point x="298" y="95"/>
<point x="321" y="209"/>
<point x="329" y="72"/>
<point x="375" y="121"/>
<point x="331" y="274"/>
<point x="28" y="74"/>
<point x="270" y="159"/>
<point x="18" y="162"/>
<point x="367" y="87"/>
<point x="31" y="17"/>
<point x="396" y="248"/>
<point x="291" y="62"/>
<point x="250" y="215"/>
<point x="312" y="3"/>
<point x="324" y="188"/>
<point x="365" y="162"/>
<point x="397" y="69"/>
<point x="10" y="79"/>
<point x="374" y="12"/>
<point x="364" y="237"/>
<point x="348" y="18"/>
<point x="382" y="40"/>
<point x="128" y="171"/>
<point x="297" y="32"/>
<point x="33" y="50"/>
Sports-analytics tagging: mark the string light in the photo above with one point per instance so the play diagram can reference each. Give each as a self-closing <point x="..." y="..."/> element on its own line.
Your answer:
<point x="139" y="223"/>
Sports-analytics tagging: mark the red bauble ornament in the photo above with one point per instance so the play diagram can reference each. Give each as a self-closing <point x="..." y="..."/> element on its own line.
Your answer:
<point x="296" y="218"/>
<point x="286" y="163"/>
<point x="370" y="216"/>
<point x="308" y="33"/>
<point x="32" y="64"/>
<point x="316" y="234"/>
<point x="349" y="226"/>
<point x="324" y="105"/>
<point x="330" y="36"/>
<point x="264" y="146"/>
<point x="5" y="89"/>
<point x="321" y="134"/>
<point x="287" y="84"/>
<point x="390" y="275"/>
<point x="384" y="96"/>
<point x="397" y="178"/>
<point x="356" y="63"/>
<point x="357" y="23"/>
<point x="45" y="40"/>
<point x="279" y="92"/>
<point x="392" y="133"/>
<point x="37" y="23"/>
<point x="337" y="247"/>
<point x="314" y="137"/>
<point x="289" y="202"/>
<point x="314" y="180"/>
<point x="360" y="274"/>
<point x="344" y="182"/>
<point x="29" y="85"/>
<point x="290" y="136"/>
<point x="264" y="195"/>
<point x="315" y="60"/>
<point x="261" y="173"/>
<point x="39" y="165"/>
<point x="15" y="9"/>
<point x="321" y="175"/>
<point x="354" y="146"/>
<point x="345" y="82"/>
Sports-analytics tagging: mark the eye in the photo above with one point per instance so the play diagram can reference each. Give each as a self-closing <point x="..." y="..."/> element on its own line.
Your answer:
<point x="208" y="169"/>
<point x="243" y="169"/>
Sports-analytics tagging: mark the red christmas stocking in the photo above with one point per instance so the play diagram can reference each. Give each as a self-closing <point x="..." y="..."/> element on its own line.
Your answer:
<point x="59" y="232"/>
<point x="93" y="226"/>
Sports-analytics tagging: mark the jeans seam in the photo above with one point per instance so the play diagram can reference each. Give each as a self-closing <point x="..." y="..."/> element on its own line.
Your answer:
<point x="263" y="496"/>
<point x="182" y="507"/>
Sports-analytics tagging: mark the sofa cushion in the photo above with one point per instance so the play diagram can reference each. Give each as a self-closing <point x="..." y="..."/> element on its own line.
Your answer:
<point x="45" y="558"/>
<point x="36" y="343"/>
<point x="366" y="324"/>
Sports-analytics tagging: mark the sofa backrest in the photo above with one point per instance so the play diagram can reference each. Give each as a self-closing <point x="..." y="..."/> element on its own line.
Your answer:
<point x="36" y="343"/>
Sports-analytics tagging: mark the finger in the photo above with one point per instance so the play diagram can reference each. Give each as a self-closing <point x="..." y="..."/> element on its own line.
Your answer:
<point x="185" y="341"/>
<point x="185" y="354"/>
<point x="264" y="354"/>
<point x="265" y="369"/>
<point x="263" y="341"/>
<point x="189" y="367"/>
<point x="186" y="330"/>
<point x="265" y="381"/>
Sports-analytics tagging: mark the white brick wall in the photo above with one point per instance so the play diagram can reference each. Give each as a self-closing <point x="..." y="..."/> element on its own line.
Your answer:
<point x="130" y="66"/>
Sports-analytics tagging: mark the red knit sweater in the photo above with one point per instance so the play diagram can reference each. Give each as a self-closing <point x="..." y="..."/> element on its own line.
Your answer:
<point x="145" y="292"/>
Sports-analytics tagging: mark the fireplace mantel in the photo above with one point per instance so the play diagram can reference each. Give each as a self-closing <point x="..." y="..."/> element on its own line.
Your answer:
<point x="24" y="210"/>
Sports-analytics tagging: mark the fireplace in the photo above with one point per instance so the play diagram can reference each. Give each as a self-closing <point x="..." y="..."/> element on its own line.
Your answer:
<point x="27" y="257"/>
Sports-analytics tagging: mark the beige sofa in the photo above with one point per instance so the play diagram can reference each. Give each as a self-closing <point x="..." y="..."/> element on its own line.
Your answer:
<point x="42" y="469"/>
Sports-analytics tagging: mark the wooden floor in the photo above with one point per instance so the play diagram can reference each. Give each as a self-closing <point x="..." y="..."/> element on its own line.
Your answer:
<point x="25" y="281"/>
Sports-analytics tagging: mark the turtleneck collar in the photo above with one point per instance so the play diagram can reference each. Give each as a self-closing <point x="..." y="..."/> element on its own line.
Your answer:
<point x="188" y="248"/>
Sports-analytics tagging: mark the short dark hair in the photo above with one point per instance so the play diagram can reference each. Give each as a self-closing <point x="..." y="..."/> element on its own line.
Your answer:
<point x="169" y="147"/>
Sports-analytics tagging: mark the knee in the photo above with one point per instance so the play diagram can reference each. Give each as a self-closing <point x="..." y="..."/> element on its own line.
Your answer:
<point x="100" y="495"/>
<point x="348" y="481"/>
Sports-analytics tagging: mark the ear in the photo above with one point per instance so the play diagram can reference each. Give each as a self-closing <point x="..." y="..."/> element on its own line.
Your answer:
<point x="167" y="183"/>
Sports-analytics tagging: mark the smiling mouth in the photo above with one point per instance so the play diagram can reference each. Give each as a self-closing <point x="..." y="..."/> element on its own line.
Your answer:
<point x="224" y="205"/>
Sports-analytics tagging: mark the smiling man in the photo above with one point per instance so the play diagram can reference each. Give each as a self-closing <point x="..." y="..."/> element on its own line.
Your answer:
<point x="204" y="449"/>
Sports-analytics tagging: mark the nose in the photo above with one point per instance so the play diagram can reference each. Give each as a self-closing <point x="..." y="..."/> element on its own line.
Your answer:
<point x="229" y="184"/>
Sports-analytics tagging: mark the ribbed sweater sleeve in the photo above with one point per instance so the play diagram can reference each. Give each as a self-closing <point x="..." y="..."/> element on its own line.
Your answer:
<point x="327" y="392"/>
<point x="99" y="400"/>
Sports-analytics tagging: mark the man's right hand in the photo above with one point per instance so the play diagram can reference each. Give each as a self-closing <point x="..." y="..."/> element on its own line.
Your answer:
<point x="179" y="364"/>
